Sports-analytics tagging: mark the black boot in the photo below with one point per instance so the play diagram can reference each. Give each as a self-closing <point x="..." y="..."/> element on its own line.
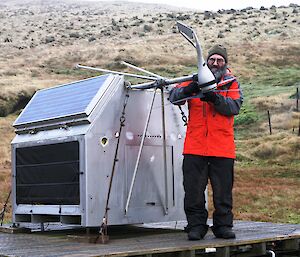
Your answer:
<point x="223" y="232"/>
<point x="198" y="232"/>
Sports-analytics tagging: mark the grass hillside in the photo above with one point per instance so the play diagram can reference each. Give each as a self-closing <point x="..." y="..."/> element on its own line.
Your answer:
<point x="41" y="41"/>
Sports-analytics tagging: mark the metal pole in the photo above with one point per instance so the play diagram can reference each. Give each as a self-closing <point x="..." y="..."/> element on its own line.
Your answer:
<point x="270" y="125"/>
<point x="142" y="70"/>
<point x="297" y="100"/>
<point x="299" y="128"/>
<point x="162" y="82"/>
<point x="164" y="150"/>
<point x="139" y="154"/>
<point x="42" y="227"/>
<point x="115" y="72"/>
<point x="2" y="214"/>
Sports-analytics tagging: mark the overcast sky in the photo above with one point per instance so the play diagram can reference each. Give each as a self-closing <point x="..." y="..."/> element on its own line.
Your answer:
<point x="220" y="4"/>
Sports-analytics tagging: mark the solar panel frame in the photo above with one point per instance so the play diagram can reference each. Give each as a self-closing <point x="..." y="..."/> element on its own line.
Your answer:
<point x="107" y="80"/>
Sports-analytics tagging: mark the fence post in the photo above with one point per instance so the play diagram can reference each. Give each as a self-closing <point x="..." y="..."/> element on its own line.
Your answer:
<point x="299" y="128"/>
<point x="270" y="125"/>
<point x="297" y="100"/>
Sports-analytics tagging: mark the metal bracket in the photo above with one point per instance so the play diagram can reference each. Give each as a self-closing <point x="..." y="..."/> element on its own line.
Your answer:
<point x="139" y="154"/>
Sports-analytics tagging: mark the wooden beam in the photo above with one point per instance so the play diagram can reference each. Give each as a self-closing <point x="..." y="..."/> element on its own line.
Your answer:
<point x="189" y="253"/>
<point x="291" y="244"/>
<point x="253" y="250"/>
<point x="223" y="252"/>
<point x="259" y="249"/>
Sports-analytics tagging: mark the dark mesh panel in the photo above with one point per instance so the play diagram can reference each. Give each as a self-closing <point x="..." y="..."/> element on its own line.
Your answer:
<point x="48" y="174"/>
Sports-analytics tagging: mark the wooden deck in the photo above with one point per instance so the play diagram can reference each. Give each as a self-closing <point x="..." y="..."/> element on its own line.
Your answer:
<point x="252" y="239"/>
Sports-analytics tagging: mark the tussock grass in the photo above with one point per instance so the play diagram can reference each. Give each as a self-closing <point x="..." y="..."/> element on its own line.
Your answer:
<point x="284" y="121"/>
<point x="7" y="130"/>
<point x="259" y="192"/>
<point x="5" y="188"/>
<point x="270" y="151"/>
<point x="281" y="148"/>
<point x="5" y="161"/>
<point x="279" y="102"/>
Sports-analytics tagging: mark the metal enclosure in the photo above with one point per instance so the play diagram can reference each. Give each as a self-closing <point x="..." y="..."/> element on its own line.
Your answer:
<point x="64" y="149"/>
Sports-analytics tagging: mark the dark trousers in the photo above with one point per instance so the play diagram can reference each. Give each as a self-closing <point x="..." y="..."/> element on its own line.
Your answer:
<point x="196" y="172"/>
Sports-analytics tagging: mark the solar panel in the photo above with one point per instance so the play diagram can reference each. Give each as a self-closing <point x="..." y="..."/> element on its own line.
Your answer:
<point x="77" y="98"/>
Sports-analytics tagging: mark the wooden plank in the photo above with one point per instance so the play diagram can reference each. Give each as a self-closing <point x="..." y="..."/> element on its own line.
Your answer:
<point x="92" y="239"/>
<point x="137" y="241"/>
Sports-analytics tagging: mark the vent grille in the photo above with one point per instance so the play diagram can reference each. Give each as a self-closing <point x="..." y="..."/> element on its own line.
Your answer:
<point x="48" y="174"/>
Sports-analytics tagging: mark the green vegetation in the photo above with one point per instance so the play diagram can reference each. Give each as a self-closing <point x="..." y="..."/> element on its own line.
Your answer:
<point x="287" y="76"/>
<point x="73" y="72"/>
<point x="247" y="116"/>
<point x="271" y="81"/>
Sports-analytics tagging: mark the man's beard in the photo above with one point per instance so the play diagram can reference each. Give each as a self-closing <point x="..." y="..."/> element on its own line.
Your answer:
<point x="218" y="72"/>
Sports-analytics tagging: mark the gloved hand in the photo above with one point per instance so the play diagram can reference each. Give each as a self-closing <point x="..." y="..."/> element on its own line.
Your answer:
<point x="210" y="96"/>
<point x="192" y="88"/>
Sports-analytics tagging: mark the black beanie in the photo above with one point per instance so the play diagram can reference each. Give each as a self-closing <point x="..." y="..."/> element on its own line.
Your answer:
<point x="218" y="49"/>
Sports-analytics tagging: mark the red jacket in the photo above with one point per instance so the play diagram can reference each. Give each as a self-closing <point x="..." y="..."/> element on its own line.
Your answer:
<point x="210" y="126"/>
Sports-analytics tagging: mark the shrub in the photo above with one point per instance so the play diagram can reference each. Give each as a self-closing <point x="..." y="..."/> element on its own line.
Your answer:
<point x="147" y="28"/>
<point x="74" y="35"/>
<point x="246" y="116"/>
<point x="49" y="39"/>
<point x="269" y="151"/>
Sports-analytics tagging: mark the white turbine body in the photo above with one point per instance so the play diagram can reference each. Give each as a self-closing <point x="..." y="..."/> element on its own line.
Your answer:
<point x="206" y="79"/>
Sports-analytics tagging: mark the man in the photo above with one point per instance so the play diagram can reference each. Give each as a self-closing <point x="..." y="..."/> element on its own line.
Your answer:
<point x="209" y="149"/>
